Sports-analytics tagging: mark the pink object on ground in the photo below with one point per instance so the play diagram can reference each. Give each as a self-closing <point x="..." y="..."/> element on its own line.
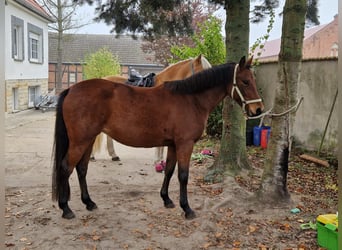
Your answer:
<point x="206" y="152"/>
<point x="160" y="166"/>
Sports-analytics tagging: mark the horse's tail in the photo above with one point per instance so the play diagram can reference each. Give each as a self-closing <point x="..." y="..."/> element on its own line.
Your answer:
<point x="98" y="142"/>
<point x="60" y="147"/>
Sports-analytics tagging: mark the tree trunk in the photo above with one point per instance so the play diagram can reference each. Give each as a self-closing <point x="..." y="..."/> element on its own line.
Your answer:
<point x="233" y="155"/>
<point x="59" y="72"/>
<point x="274" y="180"/>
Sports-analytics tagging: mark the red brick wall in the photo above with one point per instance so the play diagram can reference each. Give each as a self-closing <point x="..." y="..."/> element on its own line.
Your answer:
<point x="73" y="73"/>
<point x="322" y="43"/>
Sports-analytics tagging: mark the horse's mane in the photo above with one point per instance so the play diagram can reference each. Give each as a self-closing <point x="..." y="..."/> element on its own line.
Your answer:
<point x="177" y="63"/>
<point x="205" y="63"/>
<point x="206" y="79"/>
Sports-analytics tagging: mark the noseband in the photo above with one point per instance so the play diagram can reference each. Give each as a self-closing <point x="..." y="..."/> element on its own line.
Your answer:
<point x="236" y="88"/>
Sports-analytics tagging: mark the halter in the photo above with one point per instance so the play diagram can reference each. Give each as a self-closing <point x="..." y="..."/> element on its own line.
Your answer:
<point x="235" y="87"/>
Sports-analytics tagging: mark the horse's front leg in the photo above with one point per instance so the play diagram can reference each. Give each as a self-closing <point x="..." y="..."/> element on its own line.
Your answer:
<point x="183" y="157"/>
<point x="169" y="169"/>
<point x="82" y="168"/>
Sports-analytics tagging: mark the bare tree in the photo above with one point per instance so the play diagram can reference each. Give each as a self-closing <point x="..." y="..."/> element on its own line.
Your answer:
<point x="63" y="13"/>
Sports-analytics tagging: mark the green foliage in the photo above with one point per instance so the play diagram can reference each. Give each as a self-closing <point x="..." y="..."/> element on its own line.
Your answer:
<point x="151" y="18"/>
<point x="101" y="63"/>
<point x="260" y="42"/>
<point x="210" y="43"/>
<point x="214" y="124"/>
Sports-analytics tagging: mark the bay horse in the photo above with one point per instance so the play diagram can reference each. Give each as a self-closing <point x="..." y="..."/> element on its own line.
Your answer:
<point x="175" y="116"/>
<point x="176" y="71"/>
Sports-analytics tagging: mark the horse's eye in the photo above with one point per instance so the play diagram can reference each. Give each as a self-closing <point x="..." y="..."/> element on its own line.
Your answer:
<point x="245" y="82"/>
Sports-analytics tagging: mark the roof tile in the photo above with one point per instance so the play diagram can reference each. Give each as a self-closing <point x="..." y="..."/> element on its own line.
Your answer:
<point x="77" y="46"/>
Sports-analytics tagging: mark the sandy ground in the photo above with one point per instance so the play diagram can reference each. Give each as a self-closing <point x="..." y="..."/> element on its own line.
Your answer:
<point x="126" y="192"/>
<point x="130" y="212"/>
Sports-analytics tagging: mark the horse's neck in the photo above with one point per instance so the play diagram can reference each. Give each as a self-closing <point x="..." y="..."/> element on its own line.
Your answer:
<point x="172" y="73"/>
<point x="209" y="99"/>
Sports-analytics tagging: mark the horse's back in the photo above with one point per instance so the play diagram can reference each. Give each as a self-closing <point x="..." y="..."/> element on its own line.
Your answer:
<point x="116" y="78"/>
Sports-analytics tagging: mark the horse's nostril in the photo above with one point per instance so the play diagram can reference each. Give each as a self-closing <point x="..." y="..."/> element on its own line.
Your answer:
<point x="258" y="111"/>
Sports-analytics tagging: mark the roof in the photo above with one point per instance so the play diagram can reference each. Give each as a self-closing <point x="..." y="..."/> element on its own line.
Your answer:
<point x="127" y="49"/>
<point x="272" y="47"/>
<point x="36" y="8"/>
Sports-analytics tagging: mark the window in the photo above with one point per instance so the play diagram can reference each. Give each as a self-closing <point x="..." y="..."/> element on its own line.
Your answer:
<point x="33" y="98"/>
<point x="17" y="38"/>
<point x="35" y="43"/>
<point x="15" y="99"/>
<point x="334" y="50"/>
<point x="72" y="77"/>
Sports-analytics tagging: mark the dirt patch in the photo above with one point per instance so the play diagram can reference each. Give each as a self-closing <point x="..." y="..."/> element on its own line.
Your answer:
<point x="130" y="212"/>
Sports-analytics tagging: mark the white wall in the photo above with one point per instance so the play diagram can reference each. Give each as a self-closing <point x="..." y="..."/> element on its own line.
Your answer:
<point x="24" y="69"/>
<point x="318" y="85"/>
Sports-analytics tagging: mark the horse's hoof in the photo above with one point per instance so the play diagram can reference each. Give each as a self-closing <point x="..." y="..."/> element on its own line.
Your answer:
<point x="68" y="215"/>
<point x="116" y="158"/>
<point x="170" y="205"/>
<point x="91" y="206"/>
<point x="190" y="215"/>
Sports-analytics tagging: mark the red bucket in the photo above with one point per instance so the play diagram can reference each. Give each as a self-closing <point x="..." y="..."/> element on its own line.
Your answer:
<point x="265" y="135"/>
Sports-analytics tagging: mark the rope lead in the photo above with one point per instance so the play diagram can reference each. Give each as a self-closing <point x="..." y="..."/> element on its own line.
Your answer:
<point x="269" y="112"/>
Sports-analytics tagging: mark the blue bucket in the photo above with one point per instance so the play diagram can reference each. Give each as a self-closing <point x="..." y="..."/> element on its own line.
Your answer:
<point x="257" y="135"/>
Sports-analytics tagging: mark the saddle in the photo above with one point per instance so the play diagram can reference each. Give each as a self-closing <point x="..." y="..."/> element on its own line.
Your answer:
<point x="136" y="79"/>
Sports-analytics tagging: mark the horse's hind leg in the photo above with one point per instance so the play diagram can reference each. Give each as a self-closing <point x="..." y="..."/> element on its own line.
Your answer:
<point x="64" y="192"/>
<point x="158" y="157"/>
<point x="111" y="150"/>
<point x="169" y="169"/>
<point x="82" y="168"/>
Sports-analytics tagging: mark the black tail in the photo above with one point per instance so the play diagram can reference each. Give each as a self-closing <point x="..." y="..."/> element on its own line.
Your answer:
<point x="60" y="147"/>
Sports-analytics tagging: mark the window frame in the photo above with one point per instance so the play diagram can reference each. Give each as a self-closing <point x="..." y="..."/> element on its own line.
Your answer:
<point x="17" y="29"/>
<point x="35" y="33"/>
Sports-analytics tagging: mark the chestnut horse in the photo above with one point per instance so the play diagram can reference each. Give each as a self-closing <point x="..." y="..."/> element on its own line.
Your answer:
<point x="177" y="71"/>
<point x="174" y="115"/>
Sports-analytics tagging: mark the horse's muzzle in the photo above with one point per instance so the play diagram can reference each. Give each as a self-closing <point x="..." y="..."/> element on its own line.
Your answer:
<point x="255" y="109"/>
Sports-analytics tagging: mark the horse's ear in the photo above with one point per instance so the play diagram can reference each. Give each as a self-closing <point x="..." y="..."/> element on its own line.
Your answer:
<point x="199" y="58"/>
<point x="249" y="62"/>
<point x="242" y="62"/>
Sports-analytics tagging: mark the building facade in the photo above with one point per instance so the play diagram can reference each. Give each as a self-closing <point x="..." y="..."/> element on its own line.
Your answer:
<point x="319" y="42"/>
<point x="127" y="50"/>
<point x="26" y="54"/>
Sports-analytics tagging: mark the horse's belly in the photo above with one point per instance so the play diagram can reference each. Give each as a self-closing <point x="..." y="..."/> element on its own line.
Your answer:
<point x="139" y="137"/>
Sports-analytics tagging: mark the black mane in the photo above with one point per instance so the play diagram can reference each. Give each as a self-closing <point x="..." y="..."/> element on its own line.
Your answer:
<point x="206" y="79"/>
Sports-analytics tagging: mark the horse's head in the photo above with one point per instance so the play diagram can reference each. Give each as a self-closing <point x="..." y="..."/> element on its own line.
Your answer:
<point x="244" y="89"/>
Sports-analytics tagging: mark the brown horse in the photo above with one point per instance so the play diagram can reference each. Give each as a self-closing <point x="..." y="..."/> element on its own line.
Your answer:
<point x="177" y="71"/>
<point x="174" y="115"/>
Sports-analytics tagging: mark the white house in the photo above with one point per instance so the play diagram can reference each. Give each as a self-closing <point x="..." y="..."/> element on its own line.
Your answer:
<point x="26" y="53"/>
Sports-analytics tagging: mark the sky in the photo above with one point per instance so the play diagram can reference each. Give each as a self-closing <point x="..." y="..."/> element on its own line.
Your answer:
<point x="327" y="10"/>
